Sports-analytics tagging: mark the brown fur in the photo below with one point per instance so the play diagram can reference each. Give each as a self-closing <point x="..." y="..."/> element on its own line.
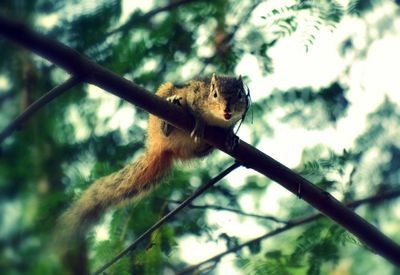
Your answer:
<point x="162" y="150"/>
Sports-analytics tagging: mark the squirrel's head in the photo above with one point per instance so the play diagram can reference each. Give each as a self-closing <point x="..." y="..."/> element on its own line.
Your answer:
<point x="227" y="98"/>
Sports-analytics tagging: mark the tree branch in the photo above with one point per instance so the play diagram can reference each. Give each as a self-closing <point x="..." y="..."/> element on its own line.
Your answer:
<point x="37" y="105"/>
<point x="76" y="64"/>
<point x="291" y="224"/>
<point x="133" y="20"/>
<point x="168" y="216"/>
<point x="233" y="210"/>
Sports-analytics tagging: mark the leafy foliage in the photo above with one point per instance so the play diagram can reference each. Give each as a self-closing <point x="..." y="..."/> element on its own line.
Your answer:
<point x="319" y="243"/>
<point x="329" y="103"/>
<point x="289" y="18"/>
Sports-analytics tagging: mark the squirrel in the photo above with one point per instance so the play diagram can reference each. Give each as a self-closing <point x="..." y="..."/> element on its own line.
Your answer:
<point x="216" y="101"/>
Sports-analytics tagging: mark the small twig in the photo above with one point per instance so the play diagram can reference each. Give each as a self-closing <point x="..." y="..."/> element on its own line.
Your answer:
<point x="233" y="210"/>
<point x="208" y="269"/>
<point x="37" y="105"/>
<point x="134" y="20"/>
<point x="168" y="216"/>
<point x="291" y="224"/>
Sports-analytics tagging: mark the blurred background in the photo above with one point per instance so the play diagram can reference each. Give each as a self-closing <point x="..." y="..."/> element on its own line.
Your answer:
<point x="325" y="91"/>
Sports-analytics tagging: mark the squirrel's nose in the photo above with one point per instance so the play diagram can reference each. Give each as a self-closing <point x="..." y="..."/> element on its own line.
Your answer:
<point x="227" y="109"/>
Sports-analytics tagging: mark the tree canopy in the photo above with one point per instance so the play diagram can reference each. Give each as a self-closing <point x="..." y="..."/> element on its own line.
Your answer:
<point x="86" y="133"/>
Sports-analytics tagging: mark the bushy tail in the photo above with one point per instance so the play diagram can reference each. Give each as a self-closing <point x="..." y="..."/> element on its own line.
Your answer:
<point x="113" y="189"/>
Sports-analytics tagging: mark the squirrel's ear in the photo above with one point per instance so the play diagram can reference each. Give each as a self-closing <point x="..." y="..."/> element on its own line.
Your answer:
<point x="213" y="81"/>
<point x="213" y="86"/>
<point x="214" y="78"/>
<point x="239" y="78"/>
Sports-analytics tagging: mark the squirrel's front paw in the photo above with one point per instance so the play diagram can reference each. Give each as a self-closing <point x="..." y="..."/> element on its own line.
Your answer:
<point x="175" y="99"/>
<point x="167" y="128"/>
<point x="198" y="132"/>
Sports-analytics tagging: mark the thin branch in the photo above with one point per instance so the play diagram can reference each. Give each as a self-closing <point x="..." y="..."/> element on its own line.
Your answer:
<point x="37" y="105"/>
<point x="76" y="64"/>
<point x="291" y="224"/>
<point x="133" y="20"/>
<point x="170" y="215"/>
<point x="233" y="210"/>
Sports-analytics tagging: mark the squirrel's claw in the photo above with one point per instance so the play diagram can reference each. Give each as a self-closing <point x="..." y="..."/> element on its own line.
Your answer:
<point x="175" y="99"/>
<point x="231" y="141"/>
<point x="166" y="128"/>
<point x="198" y="132"/>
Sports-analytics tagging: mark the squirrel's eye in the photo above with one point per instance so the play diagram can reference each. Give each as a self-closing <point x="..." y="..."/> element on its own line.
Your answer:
<point x="215" y="93"/>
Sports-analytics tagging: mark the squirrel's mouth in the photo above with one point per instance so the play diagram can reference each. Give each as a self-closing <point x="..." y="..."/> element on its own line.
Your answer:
<point x="227" y="116"/>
